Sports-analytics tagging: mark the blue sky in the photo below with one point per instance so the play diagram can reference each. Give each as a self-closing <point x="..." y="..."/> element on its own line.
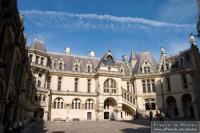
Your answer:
<point x="120" y="25"/>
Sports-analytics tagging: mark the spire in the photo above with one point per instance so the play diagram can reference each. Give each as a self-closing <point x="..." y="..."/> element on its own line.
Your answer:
<point x="133" y="55"/>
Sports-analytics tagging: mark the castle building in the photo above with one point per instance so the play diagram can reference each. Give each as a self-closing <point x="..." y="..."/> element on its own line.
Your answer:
<point x="17" y="86"/>
<point x="74" y="87"/>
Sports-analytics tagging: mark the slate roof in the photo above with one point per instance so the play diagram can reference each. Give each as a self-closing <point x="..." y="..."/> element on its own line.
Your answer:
<point x="69" y="61"/>
<point x="38" y="45"/>
<point x="181" y="59"/>
<point x="141" y="59"/>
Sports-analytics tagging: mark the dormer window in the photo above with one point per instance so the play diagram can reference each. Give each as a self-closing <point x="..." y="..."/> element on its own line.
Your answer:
<point x="60" y="64"/>
<point x="89" y="67"/>
<point x="51" y="63"/>
<point x="37" y="60"/>
<point x="76" y="66"/>
<point x="42" y="61"/>
<point x="146" y="68"/>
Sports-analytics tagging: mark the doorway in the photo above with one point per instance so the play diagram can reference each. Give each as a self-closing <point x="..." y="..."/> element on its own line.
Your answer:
<point x="106" y="115"/>
<point x="89" y="115"/>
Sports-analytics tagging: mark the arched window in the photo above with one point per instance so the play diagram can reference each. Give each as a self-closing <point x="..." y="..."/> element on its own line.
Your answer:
<point x="89" y="104"/>
<point x="76" y="104"/>
<point x="58" y="103"/>
<point x="110" y="85"/>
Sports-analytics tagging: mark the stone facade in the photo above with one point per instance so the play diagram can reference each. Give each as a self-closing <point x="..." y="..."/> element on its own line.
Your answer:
<point x="17" y="87"/>
<point x="73" y="87"/>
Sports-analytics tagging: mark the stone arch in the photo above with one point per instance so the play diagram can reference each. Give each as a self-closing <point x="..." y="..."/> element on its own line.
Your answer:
<point x="172" y="110"/>
<point x="127" y="111"/>
<point x="110" y="108"/>
<point x="187" y="107"/>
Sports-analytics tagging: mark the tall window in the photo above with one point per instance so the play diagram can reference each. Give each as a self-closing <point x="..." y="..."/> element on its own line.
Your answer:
<point x="30" y="58"/>
<point x="89" y="104"/>
<point x="89" y="85"/>
<point x="153" y="85"/>
<point x="133" y="101"/>
<point x="133" y="88"/>
<point x="144" y="86"/>
<point x="42" y="61"/>
<point x="48" y="82"/>
<point x="168" y="84"/>
<point x="128" y="86"/>
<point x="39" y="83"/>
<point x="37" y="60"/>
<point x="184" y="79"/>
<point x="76" y="104"/>
<point x="76" y="84"/>
<point x="58" y="103"/>
<point x="110" y="85"/>
<point x="59" y="83"/>
<point x="148" y="86"/>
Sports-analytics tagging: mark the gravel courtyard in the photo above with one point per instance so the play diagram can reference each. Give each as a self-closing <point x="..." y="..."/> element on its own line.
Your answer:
<point x="90" y="127"/>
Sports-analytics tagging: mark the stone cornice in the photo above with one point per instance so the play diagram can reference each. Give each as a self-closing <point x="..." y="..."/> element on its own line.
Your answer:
<point x="70" y="93"/>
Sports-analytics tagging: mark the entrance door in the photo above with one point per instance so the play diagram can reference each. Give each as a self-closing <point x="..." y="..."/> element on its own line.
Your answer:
<point x="89" y="115"/>
<point x="106" y="115"/>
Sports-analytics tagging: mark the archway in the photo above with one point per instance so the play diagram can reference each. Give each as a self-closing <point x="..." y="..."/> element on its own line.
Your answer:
<point x="127" y="113"/>
<point x="188" y="110"/>
<point x="39" y="113"/>
<point x="172" y="110"/>
<point x="110" y="109"/>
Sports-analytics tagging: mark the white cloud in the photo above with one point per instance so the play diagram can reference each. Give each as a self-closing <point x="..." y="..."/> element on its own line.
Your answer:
<point x="179" y="11"/>
<point x="94" y="21"/>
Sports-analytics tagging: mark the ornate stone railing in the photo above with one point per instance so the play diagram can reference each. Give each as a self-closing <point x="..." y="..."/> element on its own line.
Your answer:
<point x="128" y="97"/>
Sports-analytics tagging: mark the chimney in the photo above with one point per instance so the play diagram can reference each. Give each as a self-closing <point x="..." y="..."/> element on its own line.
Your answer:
<point x="91" y="54"/>
<point x="67" y="51"/>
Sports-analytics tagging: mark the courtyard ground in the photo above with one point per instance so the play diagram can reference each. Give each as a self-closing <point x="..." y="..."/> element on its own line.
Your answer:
<point x="90" y="127"/>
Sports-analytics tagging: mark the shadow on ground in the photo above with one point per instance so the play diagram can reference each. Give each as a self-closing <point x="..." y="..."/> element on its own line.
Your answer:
<point x="138" y="130"/>
<point x="139" y="122"/>
<point x="37" y="127"/>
